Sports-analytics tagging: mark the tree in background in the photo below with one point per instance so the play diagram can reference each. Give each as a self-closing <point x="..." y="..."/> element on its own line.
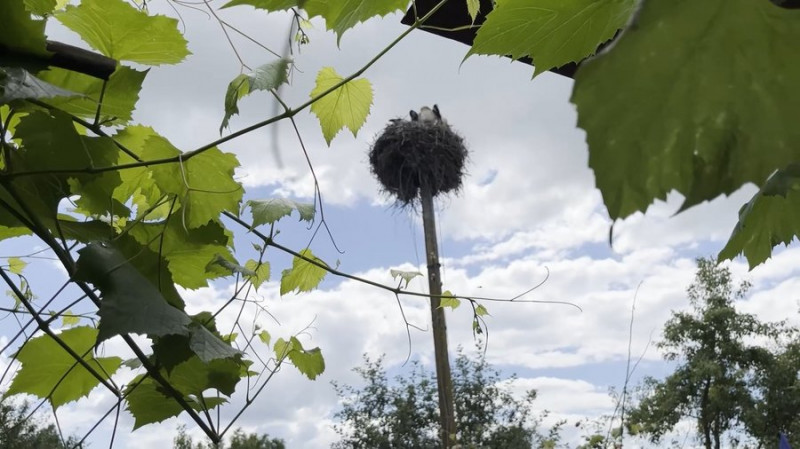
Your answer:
<point x="20" y="430"/>
<point x="716" y="362"/>
<point x="403" y="413"/>
<point x="239" y="440"/>
<point x="776" y="389"/>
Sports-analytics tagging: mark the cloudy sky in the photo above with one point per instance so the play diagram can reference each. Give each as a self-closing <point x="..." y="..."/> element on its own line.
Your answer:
<point x="528" y="207"/>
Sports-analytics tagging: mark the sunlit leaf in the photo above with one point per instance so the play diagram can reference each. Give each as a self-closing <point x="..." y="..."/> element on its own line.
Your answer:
<point x="231" y="267"/>
<point x="16" y="265"/>
<point x="120" y="31"/>
<point x="341" y="15"/>
<point x="69" y="319"/>
<point x="303" y="276"/>
<point x="407" y="276"/>
<point x="473" y="8"/>
<point x="261" y="271"/>
<point x="148" y="404"/>
<point x="265" y="337"/>
<point x="448" y="300"/>
<point x="676" y="103"/>
<point x="271" y="210"/>
<point x="120" y="93"/>
<point x="204" y="184"/>
<point x="308" y="361"/>
<point x="347" y="106"/>
<point x="551" y="32"/>
<point x="480" y="310"/>
<point x="269" y="5"/>
<point x="49" y="371"/>
<point x="266" y="77"/>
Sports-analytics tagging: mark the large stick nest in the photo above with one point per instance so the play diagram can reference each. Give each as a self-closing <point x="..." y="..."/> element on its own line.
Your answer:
<point x="409" y="156"/>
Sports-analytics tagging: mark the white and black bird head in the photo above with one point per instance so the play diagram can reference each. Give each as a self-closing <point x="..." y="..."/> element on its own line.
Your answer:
<point x="427" y="115"/>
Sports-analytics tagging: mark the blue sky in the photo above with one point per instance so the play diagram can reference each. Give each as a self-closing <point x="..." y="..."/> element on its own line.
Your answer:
<point x="528" y="205"/>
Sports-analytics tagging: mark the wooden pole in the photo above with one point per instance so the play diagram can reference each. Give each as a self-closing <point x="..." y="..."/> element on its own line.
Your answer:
<point x="444" y="380"/>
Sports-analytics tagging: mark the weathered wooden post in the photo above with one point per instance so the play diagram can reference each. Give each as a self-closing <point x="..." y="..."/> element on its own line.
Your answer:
<point x="416" y="160"/>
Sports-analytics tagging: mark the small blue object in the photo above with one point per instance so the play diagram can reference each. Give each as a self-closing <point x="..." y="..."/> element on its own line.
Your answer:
<point x="783" y="443"/>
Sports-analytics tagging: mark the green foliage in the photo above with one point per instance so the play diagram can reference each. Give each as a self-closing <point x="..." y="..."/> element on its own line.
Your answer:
<point x="712" y="345"/>
<point x="18" y="84"/>
<point x="130" y="303"/>
<point x="307" y="361"/>
<point x="238" y="440"/>
<point x="260" y="270"/>
<point x="777" y="389"/>
<point x="271" y="210"/>
<point x="346" y="106"/>
<point x="676" y="105"/>
<point x="267" y="77"/>
<point x="473" y="8"/>
<point x="148" y="404"/>
<point x="118" y="30"/>
<point x="404" y="413"/>
<point x="303" y="276"/>
<point x="119" y="94"/>
<point x="20" y="430"/>
<point x="448" y="300"/>
<point x="770" y="218"/>
<point x="552" y="32"/>
<point x="20" y="31"/>
<point x="406" y="276"/>
<point x="204" y="185"/>
<point x="50" y="372"/>
<point x="342" y="15"/>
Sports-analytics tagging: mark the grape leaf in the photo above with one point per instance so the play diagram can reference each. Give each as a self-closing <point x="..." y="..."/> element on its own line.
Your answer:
<point x="208" y="346"/>
<point x="675" y="104"/>
<point x="551" y="32"/>
<point x="303" y="276"/>
<point x="266" y="77"/>
<point x="770" y="218"/>
<point x="271" y="210"/>
<point x="194" y="376"/>
<point x="269" y="5"/>
<point x="48" y="371"/>
<point x="189" y="252"/>
<point x="20" y="31"/>
<point x="348" y="105"/>
<point x="473" y="8"/>
<point x="261" y="271"/>
<point x="448" y="300"/>
<point x="130" y="304"/>
<point x="308" y="361"/>
<point x="13" y="231"/>
<point x="204" y="184"/>
<point x="265" y="337"/>
<point x="148" y="404"/>
<point x="138" y="185"/>
<point x="231" y="267"/>
<point x="52" y="142"/>
<point x="17" y="84"/>
<point x="69" y="319"/>
<point x="120" y="31"/>
<point x="119" y="98"/>
<point x="16" y="265"/>
<point x="341" y="15"/>
<point x="404" y="275"/>
<point x="44" y="7"/>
